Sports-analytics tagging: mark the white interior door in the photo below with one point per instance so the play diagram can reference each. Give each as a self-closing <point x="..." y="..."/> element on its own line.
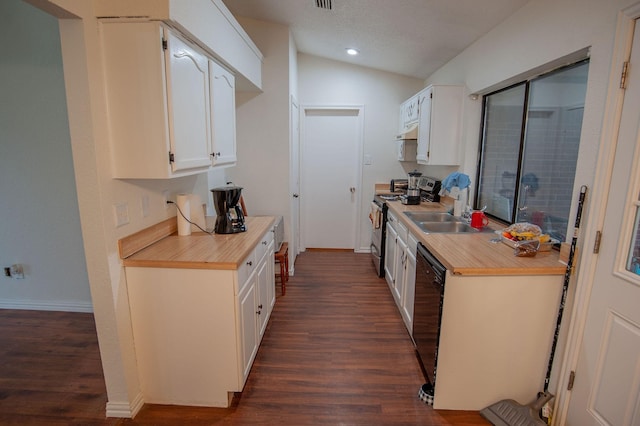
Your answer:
<point x="331" y="142"/>
<point x="607" y="383"/>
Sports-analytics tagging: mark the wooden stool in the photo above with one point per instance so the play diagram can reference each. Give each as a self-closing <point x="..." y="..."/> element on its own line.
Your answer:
<point x="282" y="257"/>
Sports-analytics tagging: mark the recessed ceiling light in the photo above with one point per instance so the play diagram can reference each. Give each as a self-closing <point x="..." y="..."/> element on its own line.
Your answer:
<point x="351" y="51"/>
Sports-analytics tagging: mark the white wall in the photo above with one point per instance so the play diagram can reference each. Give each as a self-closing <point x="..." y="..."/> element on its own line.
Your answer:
<point x="40" y="225"/>
<point x="262" y="123"/>
<point x="98" y="192"/>
<point x="534" y="40"/>
<point x="327" y="82"/>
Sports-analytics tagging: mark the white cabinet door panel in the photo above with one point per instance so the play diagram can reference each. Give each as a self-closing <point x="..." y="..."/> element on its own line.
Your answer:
<point x="223" y="114"/>
<point x="188" y="96"/>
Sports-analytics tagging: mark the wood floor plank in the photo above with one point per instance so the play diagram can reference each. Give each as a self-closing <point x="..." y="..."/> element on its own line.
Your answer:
<point x="335" y="352"/>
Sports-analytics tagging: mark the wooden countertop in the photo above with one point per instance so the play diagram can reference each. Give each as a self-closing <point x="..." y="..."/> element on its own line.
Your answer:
<point x="475" y="254"/>
<point x="196" y="251"/>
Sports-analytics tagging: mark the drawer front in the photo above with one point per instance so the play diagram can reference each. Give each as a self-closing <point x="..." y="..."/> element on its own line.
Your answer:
<point x="412" y="243"/>
<point x="245" y="270"/>
<point x="402" y="231"/>
<point x="263" y="244"/>
<point x="392" y="221"/>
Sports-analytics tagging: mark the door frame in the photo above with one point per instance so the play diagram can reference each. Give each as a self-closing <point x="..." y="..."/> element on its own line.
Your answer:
<point x="359" y="154"/>
<point x="294" y="182"/>
<point x="596" y="206"/>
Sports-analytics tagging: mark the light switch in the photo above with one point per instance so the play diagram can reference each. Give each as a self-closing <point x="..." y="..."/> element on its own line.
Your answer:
<point x="368" y="160"/>
<point x="121" y="212"/>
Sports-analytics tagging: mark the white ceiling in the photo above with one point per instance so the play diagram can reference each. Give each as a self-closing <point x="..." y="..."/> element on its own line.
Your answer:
<point x="409" y="37"/>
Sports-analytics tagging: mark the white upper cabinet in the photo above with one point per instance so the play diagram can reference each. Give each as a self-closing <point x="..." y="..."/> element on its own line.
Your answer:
<point x="157" y="89"/>
<point x="188" y="105"/>
<point x="437" y="111"/>
<point x="171" y="107"/>
<point x="439" y="125"/>
<point x="223" y="114"/>
<point x="408" y="113"/>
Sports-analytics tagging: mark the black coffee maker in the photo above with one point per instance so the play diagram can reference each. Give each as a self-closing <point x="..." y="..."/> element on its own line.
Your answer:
<point x="230" y="219"/>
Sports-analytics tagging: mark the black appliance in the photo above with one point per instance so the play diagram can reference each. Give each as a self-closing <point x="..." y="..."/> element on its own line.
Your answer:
<point x="230" y="219"/>
<point x="379" y="234"/>
<point x="397" y="185"/>
<point x="427" y="312"/>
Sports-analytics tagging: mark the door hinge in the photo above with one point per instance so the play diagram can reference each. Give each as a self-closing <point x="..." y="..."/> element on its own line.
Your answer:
<point x="623" y="76"/>
<point x="171" y="157"/>
<point x="572" y="378"/>
<point x="596" y="243"/>
<point x="164" y="44"/>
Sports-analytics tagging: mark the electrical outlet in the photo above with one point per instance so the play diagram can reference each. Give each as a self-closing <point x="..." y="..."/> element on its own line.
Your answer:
<point x="165" y="198"/>
<point x="121" y="212"/>
<point x="17" y="271"/>
<point x="7" y="271"/>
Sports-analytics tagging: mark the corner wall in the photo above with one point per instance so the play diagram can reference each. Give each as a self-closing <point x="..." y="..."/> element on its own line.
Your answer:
<point x="40" y="225"/>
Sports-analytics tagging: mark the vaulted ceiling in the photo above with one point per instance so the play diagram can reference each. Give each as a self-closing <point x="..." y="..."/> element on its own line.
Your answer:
<point x="409" y="37"/>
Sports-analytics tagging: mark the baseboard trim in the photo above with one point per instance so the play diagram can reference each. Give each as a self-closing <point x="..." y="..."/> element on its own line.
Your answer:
<point x="31" y="305"/>
<point x="125" y="409"/>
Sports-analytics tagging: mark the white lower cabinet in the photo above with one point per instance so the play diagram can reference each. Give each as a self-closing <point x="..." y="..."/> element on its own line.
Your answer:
<point x="400" y="267"/>
<point x="197" y="331"/>
<point x="408" y="295"/>
<point x="390" y="251"/>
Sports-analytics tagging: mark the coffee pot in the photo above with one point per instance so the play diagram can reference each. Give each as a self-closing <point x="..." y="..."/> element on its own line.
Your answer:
<point x="230" y="219"/>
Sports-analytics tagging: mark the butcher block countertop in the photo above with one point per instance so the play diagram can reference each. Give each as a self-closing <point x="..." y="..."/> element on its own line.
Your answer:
<point x="474" y="253"/>
<point x="160" y="246"/>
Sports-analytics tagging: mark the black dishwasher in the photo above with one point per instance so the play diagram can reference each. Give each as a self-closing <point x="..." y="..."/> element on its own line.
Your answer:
<point x="427" y="312"/>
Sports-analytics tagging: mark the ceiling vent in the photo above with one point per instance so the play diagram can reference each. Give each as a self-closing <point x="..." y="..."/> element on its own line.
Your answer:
<point x="324" y="4"/>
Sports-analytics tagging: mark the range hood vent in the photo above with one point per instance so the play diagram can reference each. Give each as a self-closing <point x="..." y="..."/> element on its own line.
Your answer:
<point x="324" y="4"/>
<point x="409" y="134"/>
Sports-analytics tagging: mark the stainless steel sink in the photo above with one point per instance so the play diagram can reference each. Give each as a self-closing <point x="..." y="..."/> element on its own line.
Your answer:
<point x="446" y="227"/>
<point x="439" y="222"/>
<point x="418" y="217"/>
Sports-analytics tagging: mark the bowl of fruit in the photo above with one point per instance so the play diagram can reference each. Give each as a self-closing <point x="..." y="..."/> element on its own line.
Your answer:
<point x="519" y="234"/>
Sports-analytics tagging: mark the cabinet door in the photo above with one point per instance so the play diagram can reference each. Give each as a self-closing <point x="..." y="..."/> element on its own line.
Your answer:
<point x="408" y="295"/>
<point x="401" y="268"/>
<point x="390" y="254"/>
<point x="439" y="130"/>
<point x="264" y="296"/>
<point x="247" y="301"/>
<point x="223" y="114"/>
<point x="409" y="110"/>
<point x="188" y="104"/>
<point x="424" y="126"/>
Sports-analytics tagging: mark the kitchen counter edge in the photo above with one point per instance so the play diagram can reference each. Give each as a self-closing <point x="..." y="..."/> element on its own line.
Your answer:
<point x="474" y="254"/>
<point x="196" y="251"/>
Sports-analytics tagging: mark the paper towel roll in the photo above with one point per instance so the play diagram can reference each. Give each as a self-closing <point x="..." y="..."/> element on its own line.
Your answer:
<point x="197" y="213"/>
<point x="183" y="203"/>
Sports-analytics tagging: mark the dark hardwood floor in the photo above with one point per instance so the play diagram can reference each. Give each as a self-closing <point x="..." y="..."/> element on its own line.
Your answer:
<point x="335" y="352"/>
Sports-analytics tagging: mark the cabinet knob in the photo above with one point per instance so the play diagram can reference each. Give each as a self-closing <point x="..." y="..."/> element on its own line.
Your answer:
<point x="296" y="195"/>
<point x="249" y="263"/>
<point x="258" y="312"/>
<point x="260" y="306"/>
<point x="264" y="243"/>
